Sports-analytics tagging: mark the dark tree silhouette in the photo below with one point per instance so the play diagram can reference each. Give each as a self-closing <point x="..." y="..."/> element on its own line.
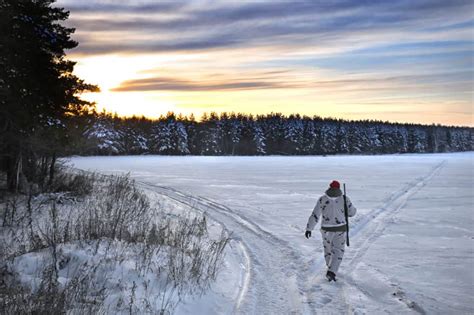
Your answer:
<point x="37" y="87"/>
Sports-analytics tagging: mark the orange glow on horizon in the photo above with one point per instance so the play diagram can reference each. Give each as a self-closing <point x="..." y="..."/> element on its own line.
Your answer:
<point x="317" y="92"/>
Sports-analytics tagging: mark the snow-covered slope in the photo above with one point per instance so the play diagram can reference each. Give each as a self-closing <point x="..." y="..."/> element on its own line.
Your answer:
<point x="411" y="241"/>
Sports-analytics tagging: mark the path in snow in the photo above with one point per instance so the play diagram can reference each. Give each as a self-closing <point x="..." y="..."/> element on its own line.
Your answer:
<point x="350" y="296"/>
<point x="271" y="282"/>
<point x="265" y="203"/>
<point x="274" y="282"/>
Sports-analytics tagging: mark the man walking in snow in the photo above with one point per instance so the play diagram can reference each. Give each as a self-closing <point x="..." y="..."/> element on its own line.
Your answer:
<point x="330" y="207"/>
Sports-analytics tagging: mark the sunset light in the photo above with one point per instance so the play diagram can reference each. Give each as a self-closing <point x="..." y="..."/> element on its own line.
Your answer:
<point x="236" y="157"/>
<point x="390" y="60"/>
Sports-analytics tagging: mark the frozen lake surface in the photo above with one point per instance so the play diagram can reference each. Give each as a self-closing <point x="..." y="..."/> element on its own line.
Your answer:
<point x="411" y="240"/>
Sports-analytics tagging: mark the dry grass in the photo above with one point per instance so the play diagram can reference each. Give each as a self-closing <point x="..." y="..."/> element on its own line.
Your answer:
<point x="93" y="211"/>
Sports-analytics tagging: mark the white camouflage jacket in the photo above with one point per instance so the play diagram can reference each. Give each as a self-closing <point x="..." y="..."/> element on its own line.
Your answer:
<point x="332" y="211"/>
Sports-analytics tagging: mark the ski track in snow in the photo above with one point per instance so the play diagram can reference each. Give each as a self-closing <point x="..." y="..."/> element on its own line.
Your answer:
<point x="262" y="291"/>
<point x="275" y="283"/>
<point x="362" y="235"/>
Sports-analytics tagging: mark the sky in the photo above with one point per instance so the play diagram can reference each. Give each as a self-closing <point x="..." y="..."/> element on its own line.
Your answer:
<point x="406" y="61"/>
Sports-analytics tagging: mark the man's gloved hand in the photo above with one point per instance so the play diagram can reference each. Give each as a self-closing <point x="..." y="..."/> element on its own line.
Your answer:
<point x="307" y="234"/>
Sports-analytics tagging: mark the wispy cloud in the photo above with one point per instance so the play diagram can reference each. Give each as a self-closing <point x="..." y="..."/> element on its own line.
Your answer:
<point x="312" y="52"/>
<point x="172" y="84"/>
<point x="289" y="79"/>
<point x="199" y="27"/>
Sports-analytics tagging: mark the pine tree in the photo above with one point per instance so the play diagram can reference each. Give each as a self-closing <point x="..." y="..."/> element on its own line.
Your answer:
<point x="39" y="91"/>
<point x="309" y="137"/>
<point x="131" y="136"/>
<point x="258" y="139"/>
<point x="161" y="138"/>
<point x="211" y="135"/>
<point x="357" y="140"/>
<point x="252" y="139"/>
<point x="294" y="132"/>
<point x="104" y="135"/>
<point x="342" y="141"/>
<point x="273" y="126"/>
<point x="231" y="132"/>
<point x="329" y="138"/>
<point x="193" y="135"/>
<point x="180" y="139"/>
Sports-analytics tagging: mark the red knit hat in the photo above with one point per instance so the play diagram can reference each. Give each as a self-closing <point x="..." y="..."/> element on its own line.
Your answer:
<point x="335" y="184"/>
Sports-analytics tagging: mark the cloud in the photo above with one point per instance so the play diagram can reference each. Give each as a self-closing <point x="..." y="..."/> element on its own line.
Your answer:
<point x="156" y="46"/>
<point x="173" y="84"/>
<point x="459" y="81"/>
<point x="318" y="53"/>
<point x="180" y="26"/>
<point x="96" y="6"/>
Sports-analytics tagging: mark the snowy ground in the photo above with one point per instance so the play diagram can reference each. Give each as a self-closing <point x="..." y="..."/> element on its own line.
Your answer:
<point x="411" y="241"/>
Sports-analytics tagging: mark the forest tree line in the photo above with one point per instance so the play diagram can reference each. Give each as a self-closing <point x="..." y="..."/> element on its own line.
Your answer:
<point x="271" y="134"/>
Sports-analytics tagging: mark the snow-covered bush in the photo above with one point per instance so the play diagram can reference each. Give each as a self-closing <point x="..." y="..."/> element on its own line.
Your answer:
<point x="111" y="250"/>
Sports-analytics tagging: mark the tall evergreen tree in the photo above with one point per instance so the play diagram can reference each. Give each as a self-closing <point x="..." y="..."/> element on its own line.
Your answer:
<point x="211" y="135"/>
<point x="39" y="91"/>
<point x="329" y="138"/>
<point x="342" y="141"/>
<point x="310" y="137"/>
<point x="231" y="132"/>
<point x="258" y="139"/>
<point x="294" y="132"/>
<point x="104" y="134"/>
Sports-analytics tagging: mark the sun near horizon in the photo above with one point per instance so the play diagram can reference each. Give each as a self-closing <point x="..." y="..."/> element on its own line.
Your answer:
<point x="397" y="61"/>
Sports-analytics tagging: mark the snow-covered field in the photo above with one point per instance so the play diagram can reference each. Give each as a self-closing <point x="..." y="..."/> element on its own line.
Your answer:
<point x="411" y="240"/>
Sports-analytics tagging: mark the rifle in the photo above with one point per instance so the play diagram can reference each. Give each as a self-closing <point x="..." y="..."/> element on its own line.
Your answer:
<point x="346" y="214"/>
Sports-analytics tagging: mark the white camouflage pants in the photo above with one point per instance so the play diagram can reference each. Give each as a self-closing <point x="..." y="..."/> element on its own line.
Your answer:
<point x="334" y="244"/>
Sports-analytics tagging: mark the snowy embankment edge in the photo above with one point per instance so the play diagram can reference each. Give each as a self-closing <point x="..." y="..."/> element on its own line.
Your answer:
<point x="236" y="270"/>
<point x="241" y="267"/>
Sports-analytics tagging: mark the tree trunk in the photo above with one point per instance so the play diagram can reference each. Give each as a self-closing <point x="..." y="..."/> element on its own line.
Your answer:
<point x="15" y="166"/>
<point x="51" y="169"/>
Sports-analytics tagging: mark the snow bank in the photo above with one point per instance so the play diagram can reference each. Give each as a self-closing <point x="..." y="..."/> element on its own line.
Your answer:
<point x="411" y="245"/>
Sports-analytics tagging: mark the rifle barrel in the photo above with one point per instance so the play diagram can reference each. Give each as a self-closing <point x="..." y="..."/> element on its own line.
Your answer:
<point x="346" y="214"/>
